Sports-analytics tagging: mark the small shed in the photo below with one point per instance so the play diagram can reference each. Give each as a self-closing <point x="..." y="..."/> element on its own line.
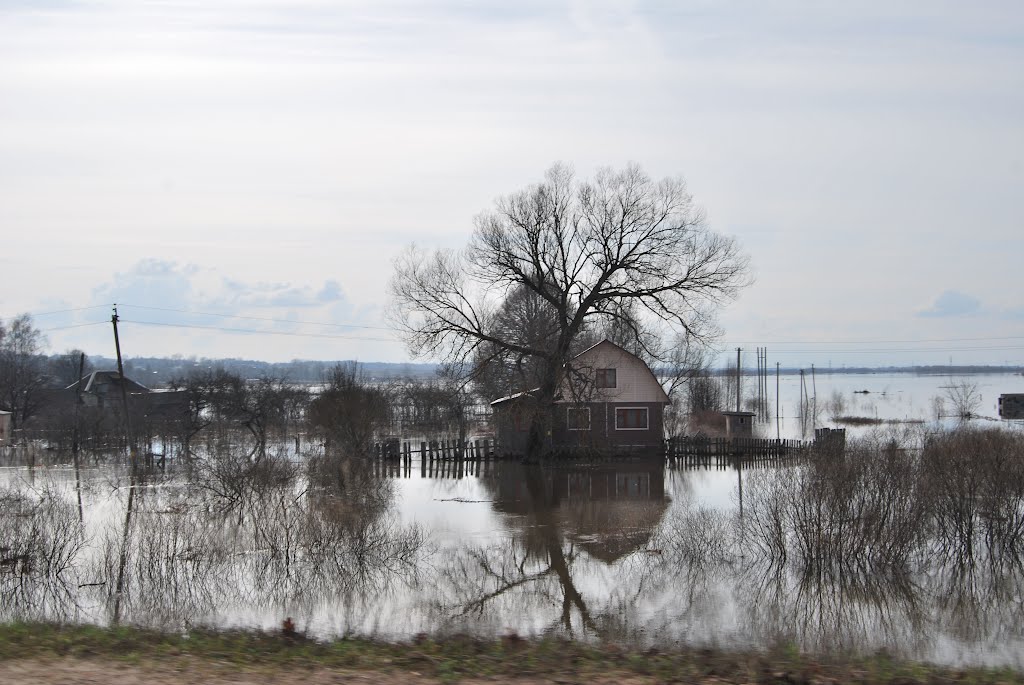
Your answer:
<point x="739" y="424"/>
<point x="5" y="427"/>
<point x="1011" y="405"/>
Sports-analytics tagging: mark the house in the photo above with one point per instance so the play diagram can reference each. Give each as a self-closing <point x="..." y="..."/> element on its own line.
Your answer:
<point x="609" y="400"/>
<point x="101" y="404"/>
<point x="103" y="389"/>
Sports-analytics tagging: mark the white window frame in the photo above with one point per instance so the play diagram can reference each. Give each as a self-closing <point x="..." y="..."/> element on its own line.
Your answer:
<point x="647" y="413"/>
<point x="577" y="408"/>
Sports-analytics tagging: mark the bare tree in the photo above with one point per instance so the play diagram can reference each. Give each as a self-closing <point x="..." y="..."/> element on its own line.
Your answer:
<point x="22" y="368"/>
<point x="964" y="396"/>
<point x="64" y="367"/>
<point x="621" y="253"/>
<point x="351" y="410"/>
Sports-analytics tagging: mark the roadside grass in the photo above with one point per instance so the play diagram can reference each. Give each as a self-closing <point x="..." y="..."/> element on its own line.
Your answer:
<point x="454" y="658"/>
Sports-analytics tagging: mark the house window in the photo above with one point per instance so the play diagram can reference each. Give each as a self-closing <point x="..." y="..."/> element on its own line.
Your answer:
<point x="577" y="418"/>
<point x="631" y="418"/>
<point x="605" y="378"/>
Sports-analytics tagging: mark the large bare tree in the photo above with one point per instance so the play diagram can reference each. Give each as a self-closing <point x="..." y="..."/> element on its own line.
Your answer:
<point x="564" y="261"/>
<point x="22" y="367"/>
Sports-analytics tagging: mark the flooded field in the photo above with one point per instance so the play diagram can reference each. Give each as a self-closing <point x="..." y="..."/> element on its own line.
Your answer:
<point x="883" y="396"/>
<point x="912" y="542"/>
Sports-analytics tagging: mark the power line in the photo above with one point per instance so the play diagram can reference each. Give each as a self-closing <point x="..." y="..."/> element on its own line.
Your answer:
<point x="261" y="318"/>
<point x="65" y="311"/>
<point x="877" y="342"/>
<point x="74" y="325"/>
<point x="254" y="331"/>
<point x="1001" y="348"/>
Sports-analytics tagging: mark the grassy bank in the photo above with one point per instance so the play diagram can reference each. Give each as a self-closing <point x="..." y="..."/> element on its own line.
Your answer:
<point x="457" y="658"/>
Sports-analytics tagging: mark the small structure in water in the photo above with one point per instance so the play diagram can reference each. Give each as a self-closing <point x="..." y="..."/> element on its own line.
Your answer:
<point x="739" y="424"/>
<point x="832" y="439"/>
<point x="1011" y="405"/>
<point x="5" y="427"/>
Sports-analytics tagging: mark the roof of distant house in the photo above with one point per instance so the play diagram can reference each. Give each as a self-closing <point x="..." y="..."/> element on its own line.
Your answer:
<point x="94" y="380"/>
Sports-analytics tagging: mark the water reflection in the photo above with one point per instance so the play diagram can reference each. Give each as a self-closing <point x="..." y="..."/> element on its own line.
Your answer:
<point x="625" y="552"/>
<point x="561" y="521"/>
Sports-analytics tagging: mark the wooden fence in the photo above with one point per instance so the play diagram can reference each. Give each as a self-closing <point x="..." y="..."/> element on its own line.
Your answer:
<point x="684" y="450"/>
<point x="701" y="451"/>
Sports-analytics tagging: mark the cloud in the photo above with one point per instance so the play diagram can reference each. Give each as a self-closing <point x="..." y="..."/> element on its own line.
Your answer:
<point x="952" y="303"/>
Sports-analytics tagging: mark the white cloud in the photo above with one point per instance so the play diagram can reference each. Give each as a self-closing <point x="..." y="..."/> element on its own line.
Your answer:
<point x="861" y="152"/>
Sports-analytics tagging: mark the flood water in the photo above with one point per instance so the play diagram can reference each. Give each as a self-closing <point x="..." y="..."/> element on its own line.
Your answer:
<point x="632" y="552"/>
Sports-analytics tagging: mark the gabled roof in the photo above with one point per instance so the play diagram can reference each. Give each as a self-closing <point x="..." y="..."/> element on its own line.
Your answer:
<point x="95" y="379"/>
<point x="654" y="378"/>
<point x="514" y="396"/>
<point x="606" y="341"/>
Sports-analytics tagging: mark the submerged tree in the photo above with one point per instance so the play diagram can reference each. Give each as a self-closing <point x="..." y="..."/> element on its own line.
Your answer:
<point x="621" y="256"/>
<point x="22" y="367"/>
<point x="351" y="410"/>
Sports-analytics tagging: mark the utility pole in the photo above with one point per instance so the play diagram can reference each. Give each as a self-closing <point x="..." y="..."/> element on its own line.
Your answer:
<point x="76" y="437"/>
<point x="778" y="429"/>
<point x="123" y="561"/>
<point x="738" y="350"/>
<point x="124" y="390"/>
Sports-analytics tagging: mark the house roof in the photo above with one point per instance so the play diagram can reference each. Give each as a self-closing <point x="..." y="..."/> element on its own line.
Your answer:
<point x="622" y="349"/>
<point x="606" y="341"/>
<point x="91" y="383"/>
<point x="514" y="396"/>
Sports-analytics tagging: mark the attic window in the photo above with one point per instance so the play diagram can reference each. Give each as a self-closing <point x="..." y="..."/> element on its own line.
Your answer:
<point x="605" y="378"/>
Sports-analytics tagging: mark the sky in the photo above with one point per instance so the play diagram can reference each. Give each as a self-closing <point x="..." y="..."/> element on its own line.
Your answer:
<point x="202" y="161"/>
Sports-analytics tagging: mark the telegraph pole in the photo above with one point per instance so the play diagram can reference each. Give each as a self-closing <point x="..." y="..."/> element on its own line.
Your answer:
<point x="738" y="378"/>
<point x="124" y="390"/>
<point x="123" y="561"/>
<point x="778" y="429"/>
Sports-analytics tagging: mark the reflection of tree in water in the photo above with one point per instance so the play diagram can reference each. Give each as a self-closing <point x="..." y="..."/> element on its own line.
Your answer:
<point x="40" y="540"/>
<point x="283" y="541"/>
<point x="561" y="518"/>
<point x="980" y="600"/>
<point x="851" y="610"/>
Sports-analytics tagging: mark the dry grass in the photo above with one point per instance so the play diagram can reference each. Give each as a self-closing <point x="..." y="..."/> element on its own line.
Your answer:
<point x="447" y="660"/>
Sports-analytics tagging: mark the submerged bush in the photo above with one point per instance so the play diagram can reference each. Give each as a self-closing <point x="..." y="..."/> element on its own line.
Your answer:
<point x="40" y="534"/>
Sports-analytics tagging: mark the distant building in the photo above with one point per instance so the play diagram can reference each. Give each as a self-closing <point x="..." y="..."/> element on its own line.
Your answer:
<point x="5" y="427"/>
<point x="609" y="400"/>
<point x="103" y="389"/>
<point x="99" y="398"/>
<point x="1011" y="406"/>
<point x="739" y="424"/>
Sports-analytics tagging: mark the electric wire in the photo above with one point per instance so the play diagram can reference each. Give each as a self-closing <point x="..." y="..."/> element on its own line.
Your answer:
<point x="783" y="351"/>
<point x="260" y="318"/>
<point x="252" y="331"/>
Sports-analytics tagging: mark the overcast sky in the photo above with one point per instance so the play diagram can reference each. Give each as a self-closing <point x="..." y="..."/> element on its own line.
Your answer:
<point x="269" y="159"/>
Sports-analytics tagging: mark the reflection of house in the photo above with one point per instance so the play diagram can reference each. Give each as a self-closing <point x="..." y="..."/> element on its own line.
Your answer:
<point x="608" y="509"/>
<point x="609" y="400"/>
<point x="1011" y="406"/>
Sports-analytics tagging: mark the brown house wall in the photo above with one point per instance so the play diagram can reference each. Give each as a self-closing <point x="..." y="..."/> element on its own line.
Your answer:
<point x="603" y="434"/>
